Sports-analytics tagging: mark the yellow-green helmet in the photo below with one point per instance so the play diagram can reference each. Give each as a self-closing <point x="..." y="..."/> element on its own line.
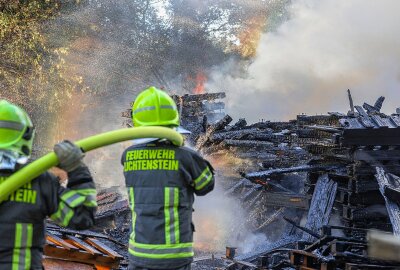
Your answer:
<point x="154" y="107"/>
<point x="16" y="129"/>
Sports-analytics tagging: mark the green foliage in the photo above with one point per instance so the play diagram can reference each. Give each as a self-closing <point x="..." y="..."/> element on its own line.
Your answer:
<point x="32" y="73"/>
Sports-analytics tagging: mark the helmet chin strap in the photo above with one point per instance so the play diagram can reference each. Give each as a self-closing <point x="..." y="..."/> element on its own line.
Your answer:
<point x="9" y="160"/>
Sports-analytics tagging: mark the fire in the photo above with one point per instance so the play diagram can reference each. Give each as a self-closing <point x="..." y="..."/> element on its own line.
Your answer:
<point x="200" y="80"/>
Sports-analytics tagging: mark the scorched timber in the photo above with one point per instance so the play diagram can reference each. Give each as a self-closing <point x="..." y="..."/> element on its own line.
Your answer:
<point x="321" y="204"/>
<point x="247" y="143"/>
<point x="234" y="134"/>
<point x="392" y="206"/>
<point x="289" y="200"/>
<point x="305" y="168"/>
<point x="200" y="97"/>
<point x="204" y="139"/>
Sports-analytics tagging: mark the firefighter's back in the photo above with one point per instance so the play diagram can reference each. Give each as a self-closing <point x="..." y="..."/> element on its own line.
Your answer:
<point x="22" y="230"/>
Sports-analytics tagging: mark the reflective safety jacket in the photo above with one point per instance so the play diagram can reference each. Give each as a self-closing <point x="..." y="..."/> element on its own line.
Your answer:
<point x="22" y="215"/>
<point x="162" y="180"/>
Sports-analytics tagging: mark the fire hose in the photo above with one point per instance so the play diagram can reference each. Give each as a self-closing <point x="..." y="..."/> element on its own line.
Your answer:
<point x="41" y="165"/>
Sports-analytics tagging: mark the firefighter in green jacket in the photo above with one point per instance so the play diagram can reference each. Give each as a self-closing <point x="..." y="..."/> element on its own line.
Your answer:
<point x="162" y="179"/>
<point x="23" y="214"/>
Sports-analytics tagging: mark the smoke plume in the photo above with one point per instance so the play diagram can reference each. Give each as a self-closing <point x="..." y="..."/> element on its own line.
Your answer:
<point x="220" y="221"/>
<point x="310" y="60"/>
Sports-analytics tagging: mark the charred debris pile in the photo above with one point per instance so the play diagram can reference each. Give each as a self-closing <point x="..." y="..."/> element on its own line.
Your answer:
<point x="320" y="181"/>
<point x="314" y="185"/>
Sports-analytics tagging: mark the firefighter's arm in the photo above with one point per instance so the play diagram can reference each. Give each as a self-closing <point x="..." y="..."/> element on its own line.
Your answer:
<point x="76" y="203"/>
<point x="203" y="176"/>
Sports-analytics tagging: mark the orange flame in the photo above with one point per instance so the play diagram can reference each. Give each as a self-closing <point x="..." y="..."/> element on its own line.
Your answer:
<point x="200" y="80"/>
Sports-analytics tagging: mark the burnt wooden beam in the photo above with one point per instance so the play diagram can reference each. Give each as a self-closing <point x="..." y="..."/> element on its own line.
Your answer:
<point x="392" y="193"/>
<point x="241" y="123"/>
<point x="360" y="213"/>
<point x="199" y="97"/>
<point x="219" y="136"/>
<point x="361" y="111"/>
<point x="103" y="248"/>
<point x="304" y="168"/>
<point x="271" y="218"/>
<point x="376" y="155"/>
<point x="204" y="139"/>
<point x="321" y="204"/>
<point x="350" y="101"/>
<point x="337" y="247"/>
<point x="247" y="143"/>
<point x="364" y="266"/>
<point x="393" y="208"/>
<point x="374" y="136"/>
<point x="213" y="106"/>
<point x="60" y="242"/>
<point x="310" y="261"/>
<point x="310" y="232"/>
<point x="379" y="102"/>
<point x="288" y="200"/>
<point x="324" y="128"/>
<point x="83" y="245"/>
<point x="395" y="119"/>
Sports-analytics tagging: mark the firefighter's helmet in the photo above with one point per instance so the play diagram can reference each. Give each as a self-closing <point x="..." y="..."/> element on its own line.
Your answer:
<point x="154" y="107"/>
<point x="16" y="129"/>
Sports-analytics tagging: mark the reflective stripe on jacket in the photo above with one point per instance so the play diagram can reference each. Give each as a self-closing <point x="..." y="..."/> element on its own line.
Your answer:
<point x="162" y="180"/>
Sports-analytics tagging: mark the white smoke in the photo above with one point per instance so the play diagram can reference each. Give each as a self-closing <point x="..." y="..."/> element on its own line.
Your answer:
<point x="309" y="62"/>
<point x="221" y="221"/>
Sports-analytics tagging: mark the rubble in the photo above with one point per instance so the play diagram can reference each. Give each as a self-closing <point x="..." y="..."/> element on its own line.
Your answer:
<point x="339" y="170"/>
<point x="334" y="158"/>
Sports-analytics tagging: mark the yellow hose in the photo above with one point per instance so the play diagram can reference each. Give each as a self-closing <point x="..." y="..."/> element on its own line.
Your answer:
<point x="41" y="165"/>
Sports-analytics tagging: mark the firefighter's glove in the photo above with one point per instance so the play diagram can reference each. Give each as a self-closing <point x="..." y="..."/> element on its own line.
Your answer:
<point x="69" y="155"/>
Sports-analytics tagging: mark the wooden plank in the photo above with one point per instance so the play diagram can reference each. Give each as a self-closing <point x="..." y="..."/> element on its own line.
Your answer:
<point x="361" y="111"/>
<point x="103" y="248"/>
<point x="337" y="247"/>
<point x="393" y="207"/>
<point x="376" y="155"/>
<point x="379" y="121"/>
<point x="376" y="136"/>
<point x="83" y="245"/>
<point x="81" y="256"/>
<point x="356" y="266"/>
<point x="366" y="122"/>
<point x="321" y="205"/>
<point x="395" y="119"/>
<point x="60" y="242"/>
<point x="287" y="200"/>
<point x="247" y="143"/>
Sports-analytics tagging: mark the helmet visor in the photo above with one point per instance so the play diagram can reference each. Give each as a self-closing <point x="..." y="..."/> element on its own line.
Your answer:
<point x="10" y="132"/>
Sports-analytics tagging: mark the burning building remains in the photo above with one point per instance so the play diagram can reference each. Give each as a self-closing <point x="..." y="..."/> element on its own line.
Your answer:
<point x="314" y="185"/>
